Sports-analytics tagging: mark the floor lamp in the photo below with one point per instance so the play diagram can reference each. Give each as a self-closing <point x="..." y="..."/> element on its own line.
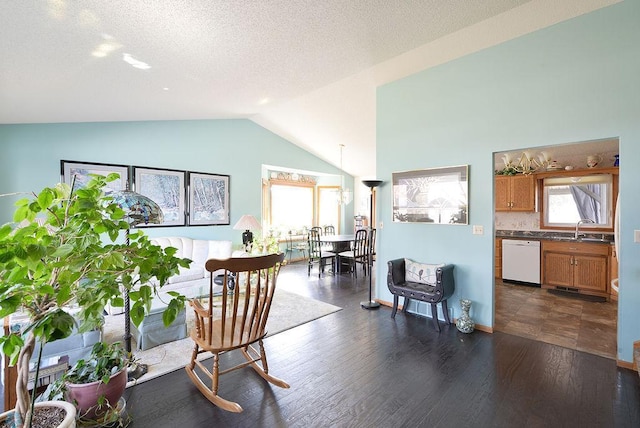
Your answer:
<point x="139" y="210"/>
<point x="370" y="184"/>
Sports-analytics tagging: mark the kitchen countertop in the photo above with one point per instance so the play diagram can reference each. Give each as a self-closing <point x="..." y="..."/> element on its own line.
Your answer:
<point x="605" y="238"/>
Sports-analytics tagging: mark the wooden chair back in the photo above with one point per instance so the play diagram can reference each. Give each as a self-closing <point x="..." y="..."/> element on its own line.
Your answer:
<point x="315" y="246"/>
<point x="360" y="248"/>
<point x="244" y="303"/>
<point x="235" y="318"/>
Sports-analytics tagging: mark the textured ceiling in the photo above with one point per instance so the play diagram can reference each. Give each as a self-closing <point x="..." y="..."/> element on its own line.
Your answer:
<point x="293" y="66"/>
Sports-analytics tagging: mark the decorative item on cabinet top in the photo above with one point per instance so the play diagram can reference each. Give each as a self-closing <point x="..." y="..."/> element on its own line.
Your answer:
<point x="527" y="163"/>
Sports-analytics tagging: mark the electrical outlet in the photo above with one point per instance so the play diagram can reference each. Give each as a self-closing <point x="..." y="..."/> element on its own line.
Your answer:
<point x="636" y="236"/>
<point x="478" y="230"/>
<point x="381" y="225"/>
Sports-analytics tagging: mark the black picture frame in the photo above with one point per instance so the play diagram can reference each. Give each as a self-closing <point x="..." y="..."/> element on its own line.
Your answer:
<point x="82" y="172"/>
<point x="208" y="199"/>
<point x="167" y="188"/>
<point x="435" y="195"/>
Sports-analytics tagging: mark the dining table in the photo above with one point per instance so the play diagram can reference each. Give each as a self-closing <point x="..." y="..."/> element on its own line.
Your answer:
<point x="339" y="243"/>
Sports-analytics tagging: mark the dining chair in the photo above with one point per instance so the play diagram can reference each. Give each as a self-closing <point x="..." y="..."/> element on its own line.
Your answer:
<point x="357" y="254"/>
<point x="236" y="319"/>
<point x="329" y="230"/>
<point x="372" y="244"/>
<point x="317" y="253"/>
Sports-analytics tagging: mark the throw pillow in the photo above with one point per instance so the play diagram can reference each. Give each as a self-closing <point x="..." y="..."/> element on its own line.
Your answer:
<point x="422" y="273"/>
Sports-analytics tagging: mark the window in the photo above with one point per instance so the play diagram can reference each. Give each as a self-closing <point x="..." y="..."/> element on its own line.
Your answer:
<point x="568" y="200"/>
<point x="291" y="206"/>
<point x="292" y="201"/>
<point x="328" y="208"/>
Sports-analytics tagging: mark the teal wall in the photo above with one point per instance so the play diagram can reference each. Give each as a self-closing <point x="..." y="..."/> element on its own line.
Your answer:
<point x="575" y="81"/>
<point x="31" y="157"/>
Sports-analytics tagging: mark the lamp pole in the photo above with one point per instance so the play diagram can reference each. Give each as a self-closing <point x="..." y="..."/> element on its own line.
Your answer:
<point x="138" y="209"/>
<point x="370" y="304"/>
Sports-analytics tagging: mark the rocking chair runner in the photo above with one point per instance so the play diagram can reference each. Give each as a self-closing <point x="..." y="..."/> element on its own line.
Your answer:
<point x="236" y="319"/>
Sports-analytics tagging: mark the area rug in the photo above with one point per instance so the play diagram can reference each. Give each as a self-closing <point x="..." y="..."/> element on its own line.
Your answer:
<point x="288" y="310"/>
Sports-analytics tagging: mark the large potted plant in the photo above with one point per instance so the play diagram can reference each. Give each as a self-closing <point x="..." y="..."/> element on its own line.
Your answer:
<point x="95" y="384"/>
<point x="69" y="250"/>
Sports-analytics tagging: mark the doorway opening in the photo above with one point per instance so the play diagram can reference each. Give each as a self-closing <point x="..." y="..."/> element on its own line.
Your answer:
<point x="565" y="318"/>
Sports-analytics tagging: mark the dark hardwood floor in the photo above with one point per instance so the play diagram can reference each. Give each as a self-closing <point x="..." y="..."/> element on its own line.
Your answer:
<point x="359" y="368"/>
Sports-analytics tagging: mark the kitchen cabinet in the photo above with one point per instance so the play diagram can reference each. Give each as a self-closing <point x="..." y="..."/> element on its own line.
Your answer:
<point x="576" y="266"/>
<point x="515" y="193"/>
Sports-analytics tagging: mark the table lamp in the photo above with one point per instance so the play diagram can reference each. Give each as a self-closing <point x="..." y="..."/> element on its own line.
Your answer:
<point x="247" y="223"/>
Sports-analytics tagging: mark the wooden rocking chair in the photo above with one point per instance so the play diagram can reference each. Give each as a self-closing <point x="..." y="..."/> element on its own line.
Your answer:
<point x="234" y="319"/>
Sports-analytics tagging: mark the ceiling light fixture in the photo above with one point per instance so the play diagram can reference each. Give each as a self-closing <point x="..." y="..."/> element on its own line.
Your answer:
<point x="344" y="195"/>
<point x="136" y="63"/>
<point x="107" y="47"/>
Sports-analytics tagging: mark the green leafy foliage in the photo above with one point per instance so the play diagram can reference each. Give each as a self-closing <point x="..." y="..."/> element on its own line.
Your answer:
<point x="69" y="250"/>
<point x="105" y="361"/>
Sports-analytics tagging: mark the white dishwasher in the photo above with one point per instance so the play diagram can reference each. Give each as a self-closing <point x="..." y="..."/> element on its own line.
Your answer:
<point x="521" y="261"/>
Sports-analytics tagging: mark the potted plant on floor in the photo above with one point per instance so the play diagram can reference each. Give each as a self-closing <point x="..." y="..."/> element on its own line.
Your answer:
<point x="68" y="251"/>
<point x="95" y="384"/>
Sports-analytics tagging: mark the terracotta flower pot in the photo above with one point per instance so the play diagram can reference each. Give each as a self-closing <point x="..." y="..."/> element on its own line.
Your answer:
<point x="69" y="420"/>
<point x="85" y="395"/>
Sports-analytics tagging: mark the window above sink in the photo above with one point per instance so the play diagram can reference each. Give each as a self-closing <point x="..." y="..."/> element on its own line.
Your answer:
<point x="568" y="198"/>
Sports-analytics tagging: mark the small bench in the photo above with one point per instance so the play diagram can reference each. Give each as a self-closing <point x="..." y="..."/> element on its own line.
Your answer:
<point x="152" y="331"/>
<point x="427" y="283"/>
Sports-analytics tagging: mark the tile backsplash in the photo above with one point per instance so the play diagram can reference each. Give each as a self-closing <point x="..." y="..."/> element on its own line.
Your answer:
<point x="517" y="221"/>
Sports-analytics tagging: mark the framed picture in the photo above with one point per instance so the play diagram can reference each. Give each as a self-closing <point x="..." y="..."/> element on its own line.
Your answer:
<point x="436" y="195"/>
<point x="208" y="199"/>
<point x="81" y="173"/>
<point x="166" y="187"/>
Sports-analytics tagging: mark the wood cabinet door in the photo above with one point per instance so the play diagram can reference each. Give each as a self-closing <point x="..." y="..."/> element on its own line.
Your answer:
<point x="523" y="193"/>
<point x="557" y="269"/>
<point x="502" y="193"/>
<point x="591" y="273"/>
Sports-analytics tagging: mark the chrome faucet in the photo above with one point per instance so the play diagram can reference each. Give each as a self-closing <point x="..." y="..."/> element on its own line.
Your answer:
<point x="582" y="221"/>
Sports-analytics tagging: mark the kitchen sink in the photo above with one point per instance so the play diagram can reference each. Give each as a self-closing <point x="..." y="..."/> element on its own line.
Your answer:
<point x="592" y="240"/>
<point x="581" y="239"/>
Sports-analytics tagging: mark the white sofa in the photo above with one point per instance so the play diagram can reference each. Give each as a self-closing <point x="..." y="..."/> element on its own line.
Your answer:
<point x="194" y="280"/>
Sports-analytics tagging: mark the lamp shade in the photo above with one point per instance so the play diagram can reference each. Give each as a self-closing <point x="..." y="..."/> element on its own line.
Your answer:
<point x="372" y="183"/>
<point x="138" y="208"/>
<point x="247" y="222"/>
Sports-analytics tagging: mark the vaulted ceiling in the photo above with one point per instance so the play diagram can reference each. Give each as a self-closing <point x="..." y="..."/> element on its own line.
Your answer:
<point x="305" y="69"/>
